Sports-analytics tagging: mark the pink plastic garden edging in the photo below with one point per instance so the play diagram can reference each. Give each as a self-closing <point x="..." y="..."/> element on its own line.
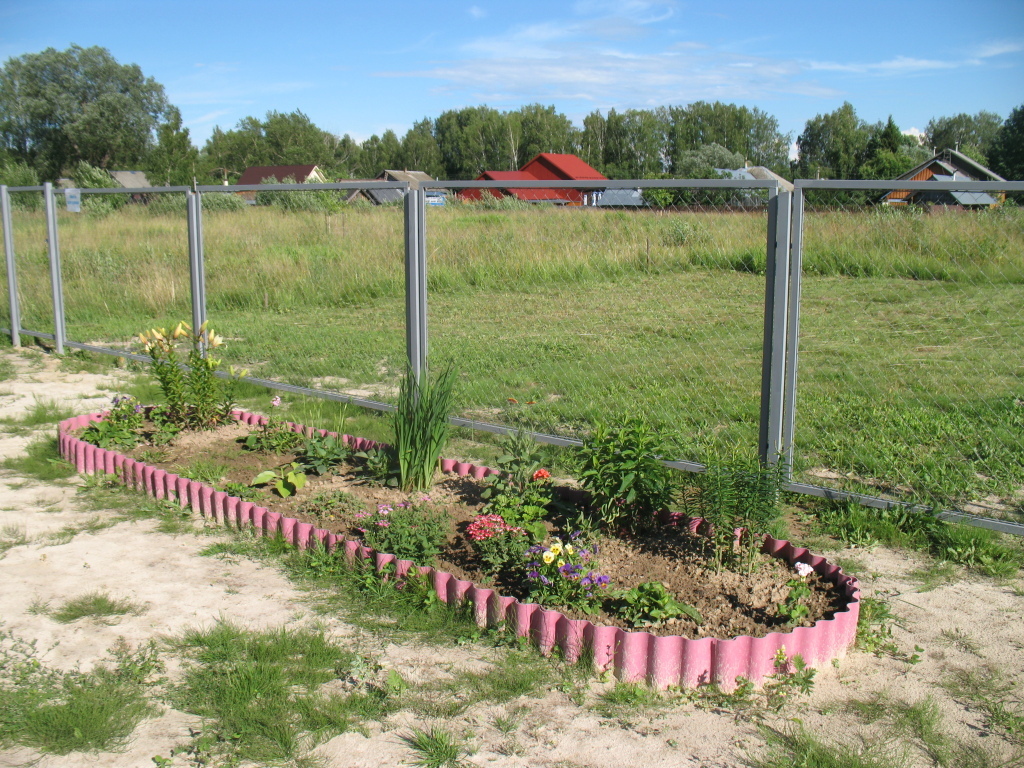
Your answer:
<point x="631" y="656"/>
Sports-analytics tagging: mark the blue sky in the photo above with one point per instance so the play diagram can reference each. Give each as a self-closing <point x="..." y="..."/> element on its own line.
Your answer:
<point x="363" y="67"/>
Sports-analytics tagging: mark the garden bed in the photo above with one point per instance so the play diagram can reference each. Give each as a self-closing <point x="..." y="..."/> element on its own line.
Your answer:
<point x="740" y="633"/>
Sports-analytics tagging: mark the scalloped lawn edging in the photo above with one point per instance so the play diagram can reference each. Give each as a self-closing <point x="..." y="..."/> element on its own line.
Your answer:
<point x="633" y="656"/>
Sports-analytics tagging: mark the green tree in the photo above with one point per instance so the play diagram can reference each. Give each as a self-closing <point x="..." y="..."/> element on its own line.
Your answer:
<point x="174" y="161"/>
<point x="1007" y="150"/>
<point x="542" y="129"/>
<point x="833" y="146"/>
<point x="973" y="135"/>
<point x="701" y="163"/>
<point x="420" y="151"/>
<point x="635" y="144"/>
<point x="61" y="107"/>
<point x="750" y="132"/>
<point x="281" y="139"/>
<point x="592" y="140"/>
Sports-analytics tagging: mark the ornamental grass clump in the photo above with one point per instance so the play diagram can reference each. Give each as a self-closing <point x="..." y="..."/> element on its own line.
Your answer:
<point x="194" y="397"/>
<point x="421" y="426"/>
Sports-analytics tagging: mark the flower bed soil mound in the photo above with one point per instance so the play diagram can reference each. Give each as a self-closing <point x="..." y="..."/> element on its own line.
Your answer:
<point x="731" y="604"/>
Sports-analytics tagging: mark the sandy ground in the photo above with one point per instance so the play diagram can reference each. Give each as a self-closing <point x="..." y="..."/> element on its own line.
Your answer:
<point x="179" y="589"/>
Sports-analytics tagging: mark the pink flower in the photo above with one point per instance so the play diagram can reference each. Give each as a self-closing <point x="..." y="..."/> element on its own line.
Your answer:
<point x="541" y="474"/>
<point x="803" y="569"/>
<point x="275" y="401"/>
<point x="383" y="523"/>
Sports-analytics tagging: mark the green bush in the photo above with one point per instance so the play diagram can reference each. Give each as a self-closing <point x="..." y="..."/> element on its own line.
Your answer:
<point x="621" y="467"/>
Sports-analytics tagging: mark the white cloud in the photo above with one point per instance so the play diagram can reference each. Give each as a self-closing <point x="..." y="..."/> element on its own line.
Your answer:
<point x="898" y="66"/>
<point x="998" y="48"/>
<point x="477" y="12"/>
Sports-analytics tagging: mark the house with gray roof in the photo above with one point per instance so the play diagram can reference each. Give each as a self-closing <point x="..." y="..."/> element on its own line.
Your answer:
<point x="947" y="165"/>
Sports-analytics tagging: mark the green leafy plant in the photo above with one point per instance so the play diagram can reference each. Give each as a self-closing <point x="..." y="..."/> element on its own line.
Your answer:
<point x="412" y="530"/>
<point x="195" y="398"/>
<point x="242" y="491"/>
<point x="323" y="453"/>
<point x="421" y="426"/>
<point x="739" y="499"/>
<point x="793" y="608"/>
<point x="650" y="604"/>
<point x="275" y="436"/>
<point x="379" y="465"/>
<point x="120" y="427"/>
<point x="328" y="506"/>
<point x="621" y="468"/>
<point x="287" y="479"/>
<point x="561" y="575"/>
<point x="521" y="491"/>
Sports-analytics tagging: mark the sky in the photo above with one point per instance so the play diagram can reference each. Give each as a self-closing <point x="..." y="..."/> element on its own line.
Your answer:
<point x="362" y="68"/>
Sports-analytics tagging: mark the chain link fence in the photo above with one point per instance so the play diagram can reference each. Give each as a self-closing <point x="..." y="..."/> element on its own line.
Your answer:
<point x="559" y="316"/>
<point x="911" y="373"/>
<point x="880" y="355"/>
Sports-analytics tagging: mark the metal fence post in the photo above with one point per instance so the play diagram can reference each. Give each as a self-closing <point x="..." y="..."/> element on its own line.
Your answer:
<point x="197" y="281"/>
<point x="12" y="277"/>
<point x="53" y="247"/>
<point x="776" y="297"/>
<point x="793" y="329"/>
<point x="416" y="281"/>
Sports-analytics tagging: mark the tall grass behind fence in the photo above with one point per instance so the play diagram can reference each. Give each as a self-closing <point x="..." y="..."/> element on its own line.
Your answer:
<point x="28" y="224"/>
<point x="560" y="318"/>
<point x="125" y="267"/>
<point x="911" y="373"/>
<point x="310" y="298"/>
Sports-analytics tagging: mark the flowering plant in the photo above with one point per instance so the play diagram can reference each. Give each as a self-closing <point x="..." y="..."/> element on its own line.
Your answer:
<point x="522" y="490"/>
<point x="793" y="609"/>
<point x="195" y="397"/>
<point x="412" y="530"/>
<point x="274" y="436"/>
<point x="501" y="546"/>
<point x="561" y="574"/>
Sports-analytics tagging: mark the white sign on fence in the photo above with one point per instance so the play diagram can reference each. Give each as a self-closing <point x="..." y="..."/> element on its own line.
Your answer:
<point x="73" y="198"/>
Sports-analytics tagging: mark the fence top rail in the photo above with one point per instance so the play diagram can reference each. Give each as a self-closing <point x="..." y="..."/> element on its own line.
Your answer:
<point x="125" y="190"/>
<point x="339" y="185"/>
<point x="606" y="184"/>
<point x="24" y="189"/>
<point x="888" y="184"/>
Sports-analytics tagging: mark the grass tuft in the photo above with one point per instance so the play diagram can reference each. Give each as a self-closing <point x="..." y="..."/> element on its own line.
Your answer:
<point x="95" y="605"/>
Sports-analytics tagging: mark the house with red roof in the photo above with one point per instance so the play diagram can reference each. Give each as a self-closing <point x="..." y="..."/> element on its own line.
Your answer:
<point x="547" y="166"/>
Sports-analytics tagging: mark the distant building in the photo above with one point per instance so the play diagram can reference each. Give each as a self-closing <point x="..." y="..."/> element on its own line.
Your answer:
<point x="947" y="165"/>
<point x="132" y="180"/>
<point x="280" y="174"/>
<point x="547" y="166"/>
<point x="385" y="196"/>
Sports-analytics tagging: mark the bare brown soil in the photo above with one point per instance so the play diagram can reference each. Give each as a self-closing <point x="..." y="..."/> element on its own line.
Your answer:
<point x="730" y="603"/>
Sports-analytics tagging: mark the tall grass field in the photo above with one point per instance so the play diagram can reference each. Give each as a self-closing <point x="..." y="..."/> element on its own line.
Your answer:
<point x="911" y="352"/>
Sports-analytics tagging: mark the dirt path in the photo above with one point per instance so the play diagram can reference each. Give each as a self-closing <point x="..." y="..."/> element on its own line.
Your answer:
<point x="967" y="624"/>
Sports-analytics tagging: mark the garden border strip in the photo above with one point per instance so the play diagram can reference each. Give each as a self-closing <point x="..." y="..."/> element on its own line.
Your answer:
<point x="633" y="656"/>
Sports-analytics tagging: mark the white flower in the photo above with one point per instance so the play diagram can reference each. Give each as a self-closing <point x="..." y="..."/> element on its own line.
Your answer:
<point x="803" y="569"/>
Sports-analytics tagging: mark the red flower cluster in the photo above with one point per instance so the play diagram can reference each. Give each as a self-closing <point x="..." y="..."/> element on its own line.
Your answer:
<point x="541" y="474"/>
<point x="486" y="526"/>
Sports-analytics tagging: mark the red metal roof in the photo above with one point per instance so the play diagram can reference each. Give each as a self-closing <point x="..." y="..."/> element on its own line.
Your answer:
<point x="551" y="166"/>
<point x="257" y="173"/>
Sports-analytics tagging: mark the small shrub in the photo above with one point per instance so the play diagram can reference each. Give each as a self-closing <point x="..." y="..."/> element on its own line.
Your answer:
<point x="322" y="453"/>
<point x="275" y="436"/>
<point x="621" y="468"/>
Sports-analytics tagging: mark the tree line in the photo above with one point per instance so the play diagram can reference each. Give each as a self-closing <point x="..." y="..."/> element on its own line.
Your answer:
<point x="63" y="109"/>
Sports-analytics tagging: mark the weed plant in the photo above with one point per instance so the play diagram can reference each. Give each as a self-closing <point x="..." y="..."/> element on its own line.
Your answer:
<point x="979" y="549"/>
<point x="41" y="461"/>
<point x="61" y="712"/>
<point x="95" y="605"/>
<point x="42" y="412"/>
<point x="275" y="436"/>
<point x="421" y="426"/>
